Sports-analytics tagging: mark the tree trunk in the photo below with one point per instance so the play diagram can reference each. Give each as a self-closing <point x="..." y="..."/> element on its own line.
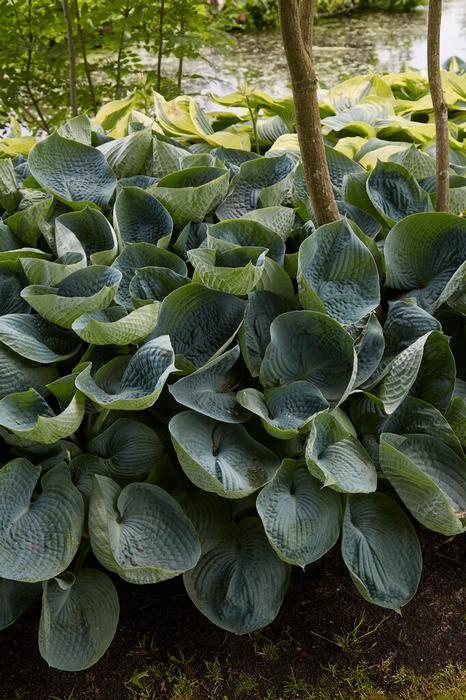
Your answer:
<point x="161" y="37"/>
<point x="439" y="105"/>
<point x="87" y="69"/>
<point x="296" y="19"/>
<point x="71" y="57"/>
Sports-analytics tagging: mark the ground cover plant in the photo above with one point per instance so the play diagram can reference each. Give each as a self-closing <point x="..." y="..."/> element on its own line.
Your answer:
<point x="196" y="380"/>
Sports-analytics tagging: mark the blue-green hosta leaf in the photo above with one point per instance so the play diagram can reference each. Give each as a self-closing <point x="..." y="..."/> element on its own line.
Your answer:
<point x="165" y="159"/>
<point x="422" y="253"/>
<point x="192" y="236"/>
<point x="133" y="382"/>
<point x="15" y="598"/>
<point x="40" y="538"/>
<point x="230" y="234"/>
<point x="78" y="129"/>
<point x="89" y="289"/>
<point x="86" y="232"/>
<point x="275" y="279"/>
<point x="359" y="119"/>
<point x="221" y="457"/>
<point x="311" y="346"/>
<point x="35" y="339"/>
<point x="199" y="321"/>
<point x="430" y="479"/>
<point x="405" y="323"/>
<point x="381" y="550"/>
<point x="284" y="410"/>
<point x="340" y="166"/>
<point x="140" y="532"/>
<point x="301" y="519"/>
<point x="191" y="194"/>
<point x="126" y="156"/>
<point x="50" y="273"/>
<point x="254" y="336"/>
<point x="395" y="193"/>
<point x="366" y="222"/>
<point x="114" y="326"/>
<point x="129" y="448"/>
<point x="20" y="374"/>
<point x="337" y="274"/>
<point x="27" y="223"/>
<point x="78" y="620"/>
<point x="278" y="219"/>
<point x="246" y="187"/>
<point x="235" y="271"/>
<point x="10" y="195"/>
<point x="454" y="292"/>
<point x="209" y="514"/>
<point x="76" y="174"/>
<point x="457" y="418"/>
<point x="28" y="415"/>
<point x="240" y="583"/>
<point x="419" y="164"/>
<point x="139" y="217"/>
<point x="11" y="284"/>
<point x="138" y="255"/>
<point x="369" y="345"/>
<point x="211" y="389"/>
<point x="153" y="284"/>
<point x="337" y="458"/>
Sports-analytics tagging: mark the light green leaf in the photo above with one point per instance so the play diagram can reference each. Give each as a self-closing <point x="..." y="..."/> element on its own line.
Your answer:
<point x="114" y="326"/>
<point x="230" y="234"/>
<point x="50" y="273"/>
<point x="235" y="271"/>
<point x="28" y="223"/>
<point x="10" y="195"/>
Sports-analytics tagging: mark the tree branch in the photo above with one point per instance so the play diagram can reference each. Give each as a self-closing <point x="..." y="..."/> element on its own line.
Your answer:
<point x="87" y="69"/>
<point x="71" y="57"/>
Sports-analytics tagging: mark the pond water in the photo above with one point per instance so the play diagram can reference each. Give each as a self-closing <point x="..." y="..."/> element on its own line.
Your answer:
<point x="345" y="45"/>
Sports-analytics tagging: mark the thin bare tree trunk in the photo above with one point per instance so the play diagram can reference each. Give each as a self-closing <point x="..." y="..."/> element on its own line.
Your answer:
<point x="159" y="57"/>
<point x="87" y="69"/>
<point x="121" y="44"/>
<point x="439" y="104"/>
<point x="71" y="57"/>
<point x="297" y="19"/>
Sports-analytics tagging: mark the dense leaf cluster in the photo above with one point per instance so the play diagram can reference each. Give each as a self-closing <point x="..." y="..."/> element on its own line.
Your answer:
<point x="195" y="380"/>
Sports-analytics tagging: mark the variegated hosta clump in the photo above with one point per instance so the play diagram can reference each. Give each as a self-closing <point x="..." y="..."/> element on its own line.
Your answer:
<point x="195" y="380"/>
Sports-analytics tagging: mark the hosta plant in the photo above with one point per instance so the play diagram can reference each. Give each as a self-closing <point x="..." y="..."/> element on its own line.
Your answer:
<point x="196" y="381"/>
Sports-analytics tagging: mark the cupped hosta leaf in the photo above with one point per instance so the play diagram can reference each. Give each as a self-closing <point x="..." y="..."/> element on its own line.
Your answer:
<point x="199" y="321"/>
<point x="337" y="273"/>
<point x="422" y="252"/>
<point x="419" y="164"/>
<point x="209" y="514"/>
<point x="236" y="271"/>
<point x="191" y="194"/>
<point x="369" y="346"/>
<point x="311" y="346"/>
<point x="27" y="223"/>
<point x="78" y="620"/>
<point x="35" y="339"/>
<point x="89" y="289"/>
<point x="153" y="284"/>
<point x="254" y="336"/>
<point x="126" y="156"/>
<point x="140" y="532"/>
<point x="240" y="583"/>
<point x="10" y="195"/>
<point x="279" y="219"/>
<point x="246" y="187"/>
<point x="28" y="415"/>
<point x="40" y="538"/>
<point x="78" y="129"/>
<point x="20" y="374"/>
<point x="11" y="284"/>
<point x="221" y="457"/>
<point x="301" y="519"/>
<point x="395" y="193"/>
<point x="129" y="448"/>
<point x="114" y="326"/>
<point x="15" y="598"/>
<point x="132" y="382"/>
<point x="405" y="323"/>
<point x="139" y="255"/>
<point x="49" y="272"/>
<point x="284" y="410"/>
<point x="457" y="418"/>
<point x="232" y="233"/>
<point x="337" y="458"/>
<point x="139" y="217"/>
<point x="87" y="232"/>
<point x="75" y="173"/>
<point x="211" y="389"/>
<point x="430" y="479"/>
<point x="381" y="550"/>
<point x="454" y="292"/>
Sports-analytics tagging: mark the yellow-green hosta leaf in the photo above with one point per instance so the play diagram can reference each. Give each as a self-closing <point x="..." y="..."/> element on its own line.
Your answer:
<point x="279" y="219"/>
<point x="139" y="217"/>
<point x="28" y="415"/>
<point x="76" y="174"/>
<point x="381" y="550"/>
<point x="36" y="339"/>
<point x="10" y="195"/>
<point x="27" y="223"/>
<point x="140" y="532"/>
<point x="114" y="116"/>
<point x="235" y="271"/>
<point x="430" y="479"/>
<point x="89" y="289"/>
<point x="301" y="519"/>
<point x="221" y="457"/>
<point x="79" y="619"/>
<point x="12" y="147"/>
<point x="49" y="272"/>
<point x="240" y="583"/>
<point x="337" y="458"/>
<point x="15" y="598"/>
<point x="114" y="326"/>
<point x="133" y="382"/>
<point x="88" y="233"/>
<point x="40" y="538"/>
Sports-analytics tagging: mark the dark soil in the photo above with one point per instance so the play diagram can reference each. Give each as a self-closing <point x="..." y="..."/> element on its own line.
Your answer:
<point x="430" y="633"/>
